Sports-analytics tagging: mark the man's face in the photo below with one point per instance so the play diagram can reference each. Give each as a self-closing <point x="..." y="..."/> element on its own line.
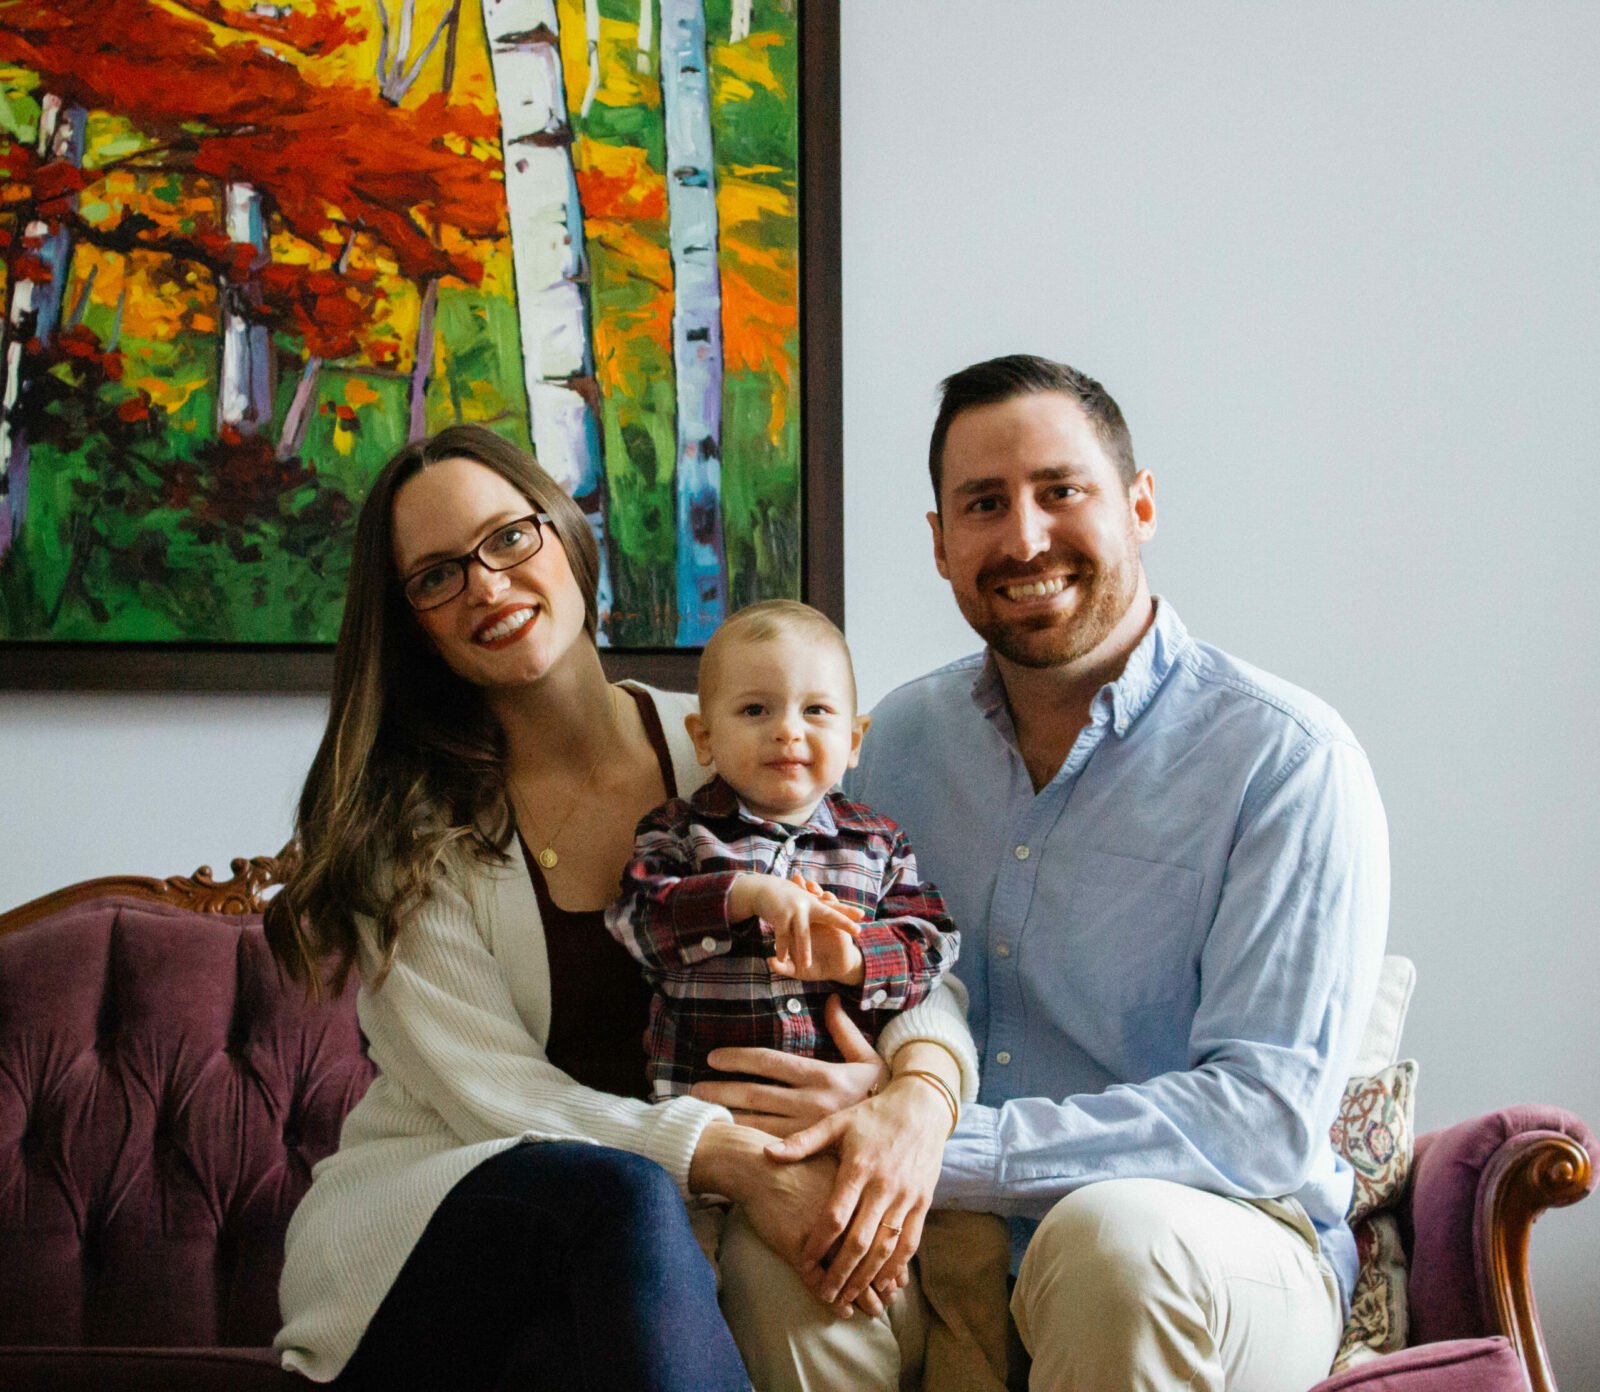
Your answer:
<point x="1039" y="537"/>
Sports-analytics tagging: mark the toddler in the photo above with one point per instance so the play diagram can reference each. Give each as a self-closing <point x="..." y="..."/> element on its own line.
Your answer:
<point x="753" y="901"/>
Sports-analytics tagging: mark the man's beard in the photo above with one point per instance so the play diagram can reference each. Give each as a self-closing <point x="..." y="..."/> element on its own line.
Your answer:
<point x="1054" y="639"/>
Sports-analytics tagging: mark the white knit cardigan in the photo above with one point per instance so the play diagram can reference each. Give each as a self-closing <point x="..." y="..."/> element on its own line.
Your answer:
<point x="458" y="1033"/>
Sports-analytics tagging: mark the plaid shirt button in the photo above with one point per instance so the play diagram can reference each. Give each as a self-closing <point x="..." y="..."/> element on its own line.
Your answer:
<point x="794" y="1007"/>
<point x="879" y="996"/>
<point x="709" y="943"/>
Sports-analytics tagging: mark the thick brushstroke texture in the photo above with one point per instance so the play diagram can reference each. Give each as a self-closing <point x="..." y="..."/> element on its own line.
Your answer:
<point x="147" y="523"/>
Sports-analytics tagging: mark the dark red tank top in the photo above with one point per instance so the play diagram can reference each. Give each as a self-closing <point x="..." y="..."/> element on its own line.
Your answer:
<point x="599" y="999"/>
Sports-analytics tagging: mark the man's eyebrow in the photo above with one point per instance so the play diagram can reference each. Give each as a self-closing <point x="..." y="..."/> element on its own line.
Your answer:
<point x="1054" y="473"/>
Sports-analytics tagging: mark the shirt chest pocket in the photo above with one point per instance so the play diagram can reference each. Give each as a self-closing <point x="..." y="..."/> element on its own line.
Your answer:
<point x="1130" y="929"/>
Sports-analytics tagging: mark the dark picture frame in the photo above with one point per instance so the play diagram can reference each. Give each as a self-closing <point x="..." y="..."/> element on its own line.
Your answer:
<point x="34" y="665"/>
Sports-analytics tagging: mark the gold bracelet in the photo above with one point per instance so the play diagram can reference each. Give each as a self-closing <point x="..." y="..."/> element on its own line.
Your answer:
<point x="943" y="1088"/>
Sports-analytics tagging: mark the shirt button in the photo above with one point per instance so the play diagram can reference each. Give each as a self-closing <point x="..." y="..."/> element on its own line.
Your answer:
<point x="1023" y="853"/>
<point x="708" y="943"/>
<point x="794" y="1007"/>
<point x="1003" y="1057"/>
<point x="879" y="996"/>
<point x="1002" y="949"/>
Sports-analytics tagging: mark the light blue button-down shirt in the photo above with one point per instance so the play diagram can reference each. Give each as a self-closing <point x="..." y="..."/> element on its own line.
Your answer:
<point x="1171" y="948"/>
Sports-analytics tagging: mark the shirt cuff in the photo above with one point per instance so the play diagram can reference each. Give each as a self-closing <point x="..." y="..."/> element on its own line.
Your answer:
<point x="970" y="1176"/>
<point x="884" y="981"/>
<point x="700" y="906"/>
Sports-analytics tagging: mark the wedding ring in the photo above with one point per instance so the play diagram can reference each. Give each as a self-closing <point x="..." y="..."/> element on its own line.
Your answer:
<point x="890" y="1227"/>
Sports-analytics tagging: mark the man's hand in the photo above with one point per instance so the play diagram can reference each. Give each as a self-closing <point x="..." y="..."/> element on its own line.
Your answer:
<point x="813" y="933"/>
<point x="799" y="1091"/>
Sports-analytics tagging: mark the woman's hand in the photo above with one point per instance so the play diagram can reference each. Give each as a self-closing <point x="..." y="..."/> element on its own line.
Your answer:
<point x="889" y="1150"/>
<point x="780" y="1199"/>
<point x="801" y="1091"/>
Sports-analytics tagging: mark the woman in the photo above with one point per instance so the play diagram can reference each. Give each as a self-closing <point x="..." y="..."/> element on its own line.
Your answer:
<point x="463" y="827"/>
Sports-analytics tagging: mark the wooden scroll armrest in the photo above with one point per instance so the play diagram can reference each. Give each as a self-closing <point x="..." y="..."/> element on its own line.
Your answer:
<point x="1527" y="1175"/>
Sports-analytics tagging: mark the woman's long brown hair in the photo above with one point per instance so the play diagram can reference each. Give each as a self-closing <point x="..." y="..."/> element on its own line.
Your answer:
<point x="411" y="763"/>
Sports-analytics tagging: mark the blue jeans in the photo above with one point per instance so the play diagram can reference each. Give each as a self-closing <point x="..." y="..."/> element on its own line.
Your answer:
<point x="553" y="1265"/>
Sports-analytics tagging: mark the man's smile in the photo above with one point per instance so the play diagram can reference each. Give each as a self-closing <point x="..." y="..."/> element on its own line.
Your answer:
<point x="1041" y="587"/>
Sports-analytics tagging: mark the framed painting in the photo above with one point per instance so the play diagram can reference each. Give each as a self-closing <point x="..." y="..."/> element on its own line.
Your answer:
<point x="249" y="250"/>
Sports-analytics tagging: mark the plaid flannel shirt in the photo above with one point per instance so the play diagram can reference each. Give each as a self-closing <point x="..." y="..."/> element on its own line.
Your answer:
<point x="712" y="985"/>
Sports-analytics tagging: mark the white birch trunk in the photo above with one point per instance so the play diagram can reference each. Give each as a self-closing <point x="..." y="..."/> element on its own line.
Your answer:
<point x="547" y="256"/>
<point x="739" y="25"/>
<point x="696" y="320"/>
<point x="244" y="395"/>
<point x="646" y="40"/>
<point x="591" y="29"/>
<point x="34" y="312"/>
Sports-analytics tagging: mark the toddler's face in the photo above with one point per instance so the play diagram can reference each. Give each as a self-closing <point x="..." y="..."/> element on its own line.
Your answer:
<point x="780" y="723"/>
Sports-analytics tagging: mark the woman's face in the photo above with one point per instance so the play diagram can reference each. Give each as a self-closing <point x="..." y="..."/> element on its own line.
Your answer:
<point x="508" y="627"/>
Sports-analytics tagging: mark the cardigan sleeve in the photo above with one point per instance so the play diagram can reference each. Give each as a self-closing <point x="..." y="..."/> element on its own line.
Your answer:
<point x="444" y="1028"/>
<point x="940" y="1018"/>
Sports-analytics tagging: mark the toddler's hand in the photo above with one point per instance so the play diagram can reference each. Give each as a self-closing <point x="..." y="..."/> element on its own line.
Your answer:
<point x="835" y="956"/>
<point x="814" y="939"/>
<point x="827" y="895"/>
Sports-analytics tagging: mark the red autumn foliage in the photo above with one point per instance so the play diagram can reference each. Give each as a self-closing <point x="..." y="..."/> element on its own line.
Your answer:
<point x="620" y="196"/>
<point x="135" y="408"/>
<point x="323" y="308"/>
<point x="78" y="342"/>
<point x="236" y="260"/>
<point x="314" y="34"/>
<point x="17" y="161"/>
<point x="305" y="146"/>
<point x="56" y="183"/>
<point x="140" y="59"/>
<point x="27" y="266"/>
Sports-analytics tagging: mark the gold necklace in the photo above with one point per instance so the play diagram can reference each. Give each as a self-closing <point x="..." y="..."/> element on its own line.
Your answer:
<point x="548" y="857"/>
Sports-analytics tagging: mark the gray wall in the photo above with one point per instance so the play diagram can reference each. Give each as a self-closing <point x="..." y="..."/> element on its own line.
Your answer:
<point x="1341" y="266"/>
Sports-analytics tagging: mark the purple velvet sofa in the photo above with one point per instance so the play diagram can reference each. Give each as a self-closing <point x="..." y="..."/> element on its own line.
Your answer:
<point x="164" y="1095"/>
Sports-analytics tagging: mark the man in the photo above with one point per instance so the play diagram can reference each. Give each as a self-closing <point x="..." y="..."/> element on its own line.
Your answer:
<point x="1170" y="871"/>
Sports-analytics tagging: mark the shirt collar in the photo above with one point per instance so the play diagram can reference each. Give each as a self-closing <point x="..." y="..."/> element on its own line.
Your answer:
<point x="718" y="799"/>
<point x="1147" y="667"/>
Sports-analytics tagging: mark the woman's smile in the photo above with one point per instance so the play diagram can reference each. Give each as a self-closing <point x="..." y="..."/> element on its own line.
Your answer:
<point x="505" y="625"/>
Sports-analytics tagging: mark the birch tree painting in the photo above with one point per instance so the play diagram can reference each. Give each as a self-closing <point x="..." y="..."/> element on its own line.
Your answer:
<point x="548" y="255"/>
<point x="247" y="251"/>
<point x="696" y="318"/>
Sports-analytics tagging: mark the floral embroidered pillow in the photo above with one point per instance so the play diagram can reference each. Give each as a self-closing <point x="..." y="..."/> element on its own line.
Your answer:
<point x="1378" y="1312"/>
<point x="1373" y="1131"/>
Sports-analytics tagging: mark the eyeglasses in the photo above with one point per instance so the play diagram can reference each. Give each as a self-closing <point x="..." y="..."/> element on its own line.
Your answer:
<point x="508" y="545"/>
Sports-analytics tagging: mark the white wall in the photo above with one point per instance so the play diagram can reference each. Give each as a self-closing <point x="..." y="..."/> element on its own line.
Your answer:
<point x="1341" y="266"/>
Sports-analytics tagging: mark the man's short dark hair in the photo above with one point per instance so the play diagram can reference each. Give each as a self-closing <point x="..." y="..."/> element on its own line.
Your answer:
<point x="1023" y="374"/>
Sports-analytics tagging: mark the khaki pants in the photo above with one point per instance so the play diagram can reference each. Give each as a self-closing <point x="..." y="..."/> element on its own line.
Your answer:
<point x="1134" y="1285"/>
<point x="790" y="1341"/>
<point x="964" y="1262"/>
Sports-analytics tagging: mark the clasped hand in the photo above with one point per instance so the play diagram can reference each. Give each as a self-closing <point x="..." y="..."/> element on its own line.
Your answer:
<point x="814" y="934"/>
<point x="862" y="1160"/>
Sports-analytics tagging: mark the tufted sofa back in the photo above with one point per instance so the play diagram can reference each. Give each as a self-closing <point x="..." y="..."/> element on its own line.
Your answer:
<point x="163" y="1097"/>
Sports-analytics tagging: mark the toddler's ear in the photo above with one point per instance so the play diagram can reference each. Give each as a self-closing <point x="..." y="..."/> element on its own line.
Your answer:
<point x="700" y="733"/>
<point x="858" y="729"/>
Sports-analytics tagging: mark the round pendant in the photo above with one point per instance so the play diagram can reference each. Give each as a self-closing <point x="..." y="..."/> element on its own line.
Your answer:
<point x="548" y="858"/>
